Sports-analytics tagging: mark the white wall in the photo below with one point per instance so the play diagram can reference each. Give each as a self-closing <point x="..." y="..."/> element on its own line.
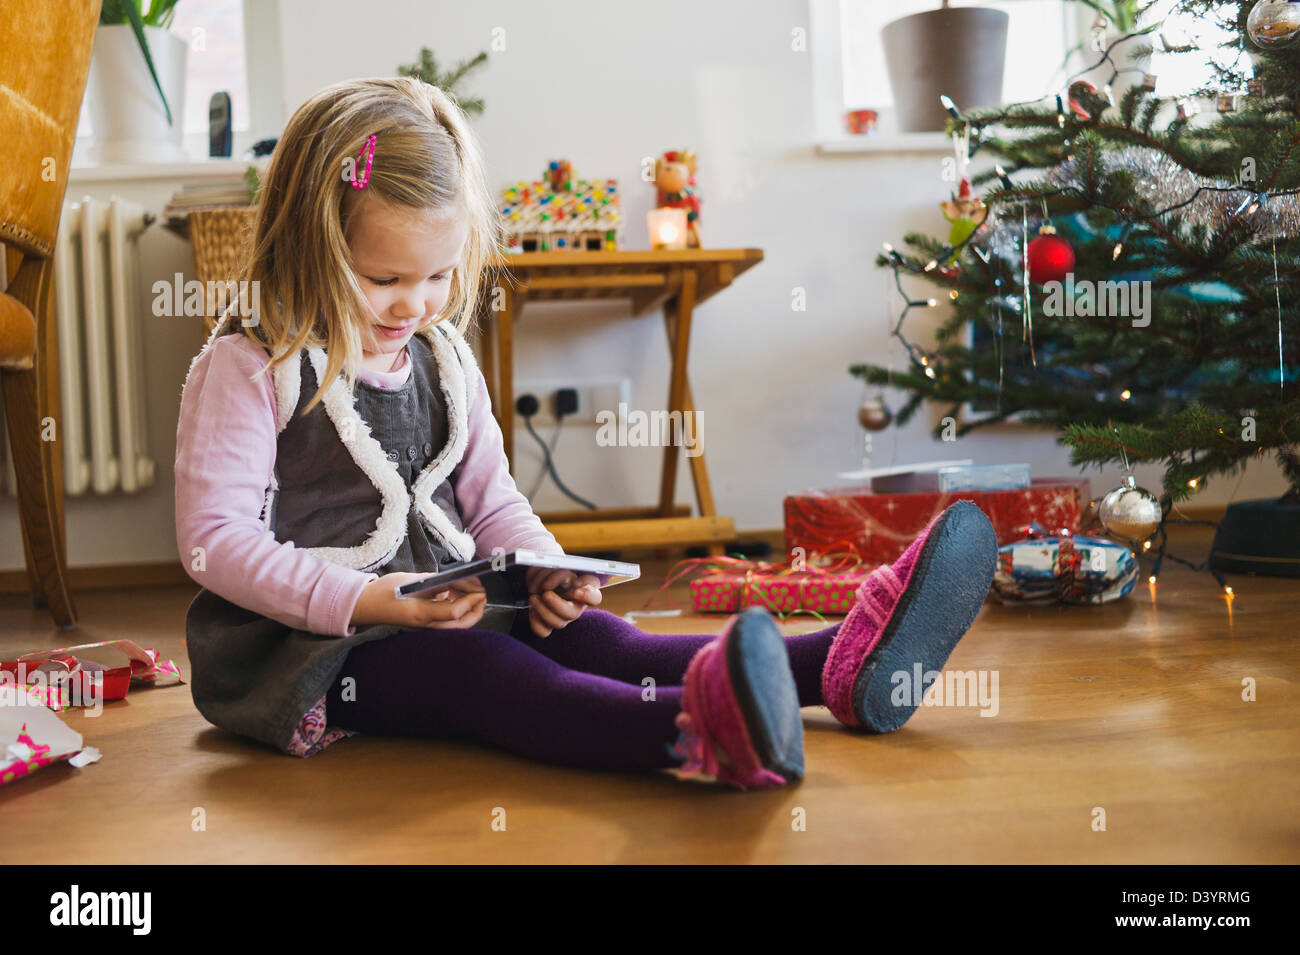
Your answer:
<point x="603" y="85"/>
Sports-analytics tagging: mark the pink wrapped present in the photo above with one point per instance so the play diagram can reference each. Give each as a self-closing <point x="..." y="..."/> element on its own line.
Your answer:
<point x="777" y="588"/>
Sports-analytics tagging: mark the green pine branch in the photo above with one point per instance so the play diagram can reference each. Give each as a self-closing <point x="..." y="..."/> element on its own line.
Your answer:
<point x="426" y="68"/>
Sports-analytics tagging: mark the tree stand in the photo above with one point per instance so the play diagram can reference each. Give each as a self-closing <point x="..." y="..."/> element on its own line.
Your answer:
<point x="1259" y="537"/>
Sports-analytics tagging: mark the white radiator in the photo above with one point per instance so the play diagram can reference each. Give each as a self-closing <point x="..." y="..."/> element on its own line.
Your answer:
<point x="103" y="429"/>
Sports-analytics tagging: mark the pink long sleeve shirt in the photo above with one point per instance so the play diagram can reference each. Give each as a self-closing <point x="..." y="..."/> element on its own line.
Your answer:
<point x="225" y="455"/>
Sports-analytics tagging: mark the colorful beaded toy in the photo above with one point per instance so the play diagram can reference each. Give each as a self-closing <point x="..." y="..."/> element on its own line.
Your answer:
<point x="558" y="213"/>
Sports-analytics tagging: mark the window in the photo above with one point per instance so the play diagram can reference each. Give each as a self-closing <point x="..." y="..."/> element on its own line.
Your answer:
<point x="214" y="31"/>
<point x="1179" y="74"/>
<point x="849" y="69"/>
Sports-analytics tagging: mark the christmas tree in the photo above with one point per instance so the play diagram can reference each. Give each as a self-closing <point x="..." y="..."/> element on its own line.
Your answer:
<point x="1159" y="322"/>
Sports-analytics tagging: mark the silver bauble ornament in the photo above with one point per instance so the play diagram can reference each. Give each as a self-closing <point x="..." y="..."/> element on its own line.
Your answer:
<point x="873" y="414"/>
<point x="1274" y="24"/>
<point x="1130" y="512"/>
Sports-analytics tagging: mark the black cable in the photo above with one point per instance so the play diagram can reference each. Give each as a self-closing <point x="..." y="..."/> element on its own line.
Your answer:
<point x="550" y="463"/>
<point x="541" y="476"/>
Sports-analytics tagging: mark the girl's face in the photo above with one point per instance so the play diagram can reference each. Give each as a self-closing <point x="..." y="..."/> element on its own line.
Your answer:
<point x="404" y="260"/>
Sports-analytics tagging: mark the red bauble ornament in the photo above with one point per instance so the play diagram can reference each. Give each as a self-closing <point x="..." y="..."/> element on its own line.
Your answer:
<point x="1050" y="257"/>
<point x="1077" y="89"/>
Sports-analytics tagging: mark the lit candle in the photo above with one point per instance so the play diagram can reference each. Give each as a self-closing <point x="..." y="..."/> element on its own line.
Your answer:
<point x="667" y="228"/>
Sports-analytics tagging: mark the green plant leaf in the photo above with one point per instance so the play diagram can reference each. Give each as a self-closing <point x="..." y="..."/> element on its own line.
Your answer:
<point x="117" y="12"/>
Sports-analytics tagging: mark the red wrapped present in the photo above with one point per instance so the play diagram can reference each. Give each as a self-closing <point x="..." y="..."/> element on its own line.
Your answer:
<point x="777" y="588"/>
<point x="878" y="527"/>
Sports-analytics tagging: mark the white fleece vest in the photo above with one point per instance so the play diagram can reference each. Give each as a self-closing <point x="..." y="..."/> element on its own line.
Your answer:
<point x="456" y="365"/>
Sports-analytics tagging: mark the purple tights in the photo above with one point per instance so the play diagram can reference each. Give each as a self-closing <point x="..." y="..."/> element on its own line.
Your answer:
<point x="572" y="699"/>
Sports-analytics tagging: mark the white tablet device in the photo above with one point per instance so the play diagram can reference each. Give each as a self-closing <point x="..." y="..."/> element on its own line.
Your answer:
<point x="513" y="566"/>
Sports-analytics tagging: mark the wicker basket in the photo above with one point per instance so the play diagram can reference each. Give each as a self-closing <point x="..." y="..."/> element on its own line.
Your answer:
<point x="221" y="240"/>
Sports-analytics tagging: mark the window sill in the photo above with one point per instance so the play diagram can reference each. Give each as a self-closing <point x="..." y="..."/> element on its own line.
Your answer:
<point x="124" y="172"/>
<point x="935" y="142"/>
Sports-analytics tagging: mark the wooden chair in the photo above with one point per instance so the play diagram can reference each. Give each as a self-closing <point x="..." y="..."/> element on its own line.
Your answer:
<point x="44" y="62"/>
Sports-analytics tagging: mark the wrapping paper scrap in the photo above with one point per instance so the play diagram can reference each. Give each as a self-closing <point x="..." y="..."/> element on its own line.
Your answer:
<point x="32" y="736"/>
<point x="62" y="679"/>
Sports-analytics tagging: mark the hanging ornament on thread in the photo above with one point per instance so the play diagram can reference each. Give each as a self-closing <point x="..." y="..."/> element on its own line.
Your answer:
<point x="1050" y="257"/>
<point x="1130" y="512"/>
<point x="874" y="414"/>
<point x="965" y="210"/>
<point x="1077" y="89"/>
<point x="1274" y="24"/>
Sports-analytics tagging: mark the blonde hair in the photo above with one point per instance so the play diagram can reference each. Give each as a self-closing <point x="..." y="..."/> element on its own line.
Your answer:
<point x="426" y="158"/>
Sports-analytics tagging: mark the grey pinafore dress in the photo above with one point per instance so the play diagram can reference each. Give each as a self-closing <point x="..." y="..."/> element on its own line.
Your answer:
<point x="362" y="480"/>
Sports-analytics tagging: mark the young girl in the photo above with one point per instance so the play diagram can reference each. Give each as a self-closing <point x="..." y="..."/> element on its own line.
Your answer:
<point x="341" y="442"/>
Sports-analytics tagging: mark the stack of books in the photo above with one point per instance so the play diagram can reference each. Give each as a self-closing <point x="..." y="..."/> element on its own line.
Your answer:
<point x="219" y="193"/>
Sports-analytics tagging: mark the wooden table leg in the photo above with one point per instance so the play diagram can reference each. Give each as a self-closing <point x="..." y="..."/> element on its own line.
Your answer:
<point x="699" y="470"/>
<point x="505" y="349"/>
<point x="677" y="314"/>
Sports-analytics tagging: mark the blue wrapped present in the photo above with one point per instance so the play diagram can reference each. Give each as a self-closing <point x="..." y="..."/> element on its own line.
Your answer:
<point x="1063" y="569"/>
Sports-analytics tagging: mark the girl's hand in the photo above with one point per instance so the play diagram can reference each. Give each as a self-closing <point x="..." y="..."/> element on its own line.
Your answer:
<point x="459" y="607"/>
<point x="548" y="610"/>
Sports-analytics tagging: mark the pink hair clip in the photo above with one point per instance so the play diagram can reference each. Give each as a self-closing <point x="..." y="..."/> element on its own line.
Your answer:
<point x="368" y="151"/>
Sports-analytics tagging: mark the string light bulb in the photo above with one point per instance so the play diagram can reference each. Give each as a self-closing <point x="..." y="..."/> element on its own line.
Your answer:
<point x="1193" y="482"/>
<point x="1114" y="255"/>
<point x="931" y="265"/>
<point x="1228" y="590"/>
<point x="1146" y="545"/>
<point x="1151" y="579"/>
<point x="929" y="372"/>
<point x="953" y="295"/>
<point x="1125" y="395"/>
<point x="949" y="105"/>
<point x="932" y="302"/>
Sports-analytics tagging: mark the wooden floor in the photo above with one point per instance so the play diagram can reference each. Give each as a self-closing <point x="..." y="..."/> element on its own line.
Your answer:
<point x="1134" y="707"/>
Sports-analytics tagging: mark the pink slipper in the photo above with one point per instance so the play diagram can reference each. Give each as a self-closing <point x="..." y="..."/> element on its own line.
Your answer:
<point x="911" y="612"/>
<point x="740" y="718"/>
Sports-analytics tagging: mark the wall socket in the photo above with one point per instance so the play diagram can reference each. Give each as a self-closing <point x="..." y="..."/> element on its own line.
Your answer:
<point x="594" y="395"/>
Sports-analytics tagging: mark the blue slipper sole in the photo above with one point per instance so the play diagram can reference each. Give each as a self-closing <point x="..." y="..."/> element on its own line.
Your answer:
<point x="759" y="667"/>
<point x="944" y="595"/>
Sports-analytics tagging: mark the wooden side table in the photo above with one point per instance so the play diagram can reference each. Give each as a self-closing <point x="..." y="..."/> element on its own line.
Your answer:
<point x="677" y="281"/>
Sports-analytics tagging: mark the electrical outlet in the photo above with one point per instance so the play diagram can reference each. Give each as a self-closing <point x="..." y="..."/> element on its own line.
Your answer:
<point x="594" y="395"/>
